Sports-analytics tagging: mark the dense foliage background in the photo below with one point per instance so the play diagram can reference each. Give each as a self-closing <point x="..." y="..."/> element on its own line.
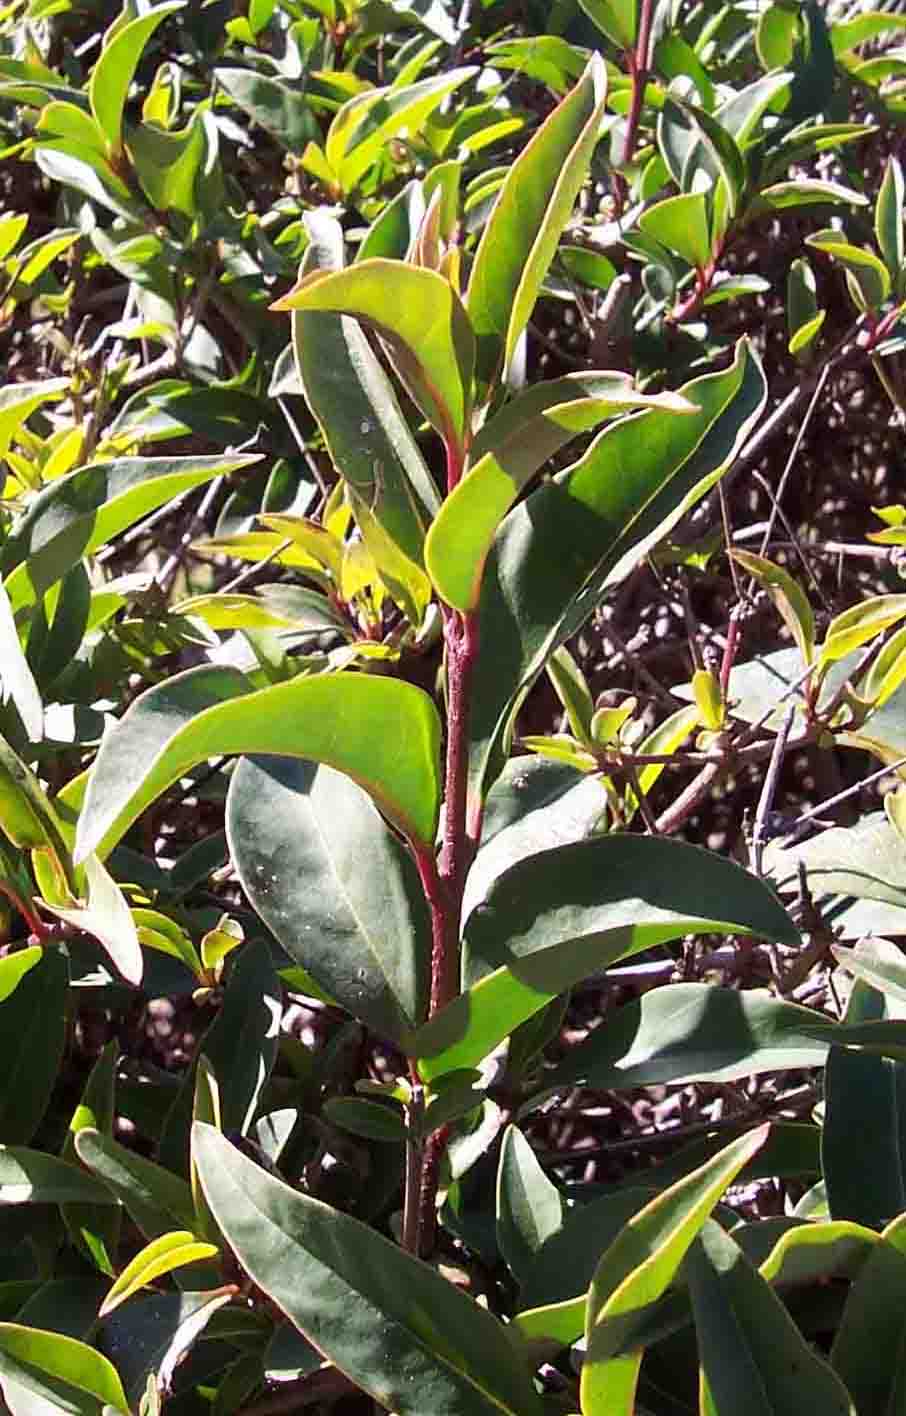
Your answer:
<point x="312" y="315"/>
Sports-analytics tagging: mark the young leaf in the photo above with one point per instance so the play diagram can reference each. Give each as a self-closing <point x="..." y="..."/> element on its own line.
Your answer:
<point x="803" y="318"/>
<point x="108" y="86"/>
<point x="852" y="628"/>
<point x="889" y="221"/>
<point x="572" y="689"/>
<point x="161" y="1256"/>
<point x="78" y="514"/>
<point x="19" y="400"/>
<point x="789" y="598"/>
<point x="638" y="1268"/>
<point x="755" y="1361"/>
<point x="27" y="1355"/>
<point x="554" y="555"/>
<point x="506" y="455"/>
<point x="530" y="212"/>
<point x="869" y="273"/>
<point x="106" y="915"/>
<point x="382" y="732"/>
<point x="421" y="318"/>
<point x="409" y="1338"/>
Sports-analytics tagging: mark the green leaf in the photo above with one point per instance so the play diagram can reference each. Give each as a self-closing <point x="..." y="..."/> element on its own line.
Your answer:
<point x="405" y="581"/>
<point x="847" y="35"/>
<point x="681" y="224"/>
<point x="77" y="514"/>
<point x="810" y="192"/>
<point x="409" y="1338"/>
<point x="861" y="1091"/>
<point x="94" y="1228"/>
<point x="31" y="1177"/>
<point x="32" y="1036"/>
<point x="419" y="315"/>
<point x="279" y="108"/>
<point x="49" y="1365"/>
<point x="789" y="599"/>
<point x="239" y="1049"/>
<point x="106" y="915"/>
<point x="867" y="861"/>
<point x="553" y="918"/>
<point x="693" y="1032"/>
<point x="869" y="273"/>
<point x="157" y="931"/>
<point x="530" y="1208"/>
<point x="755" y="1362"/>
<point x="370" y="1119"/>
<point x="555" y="553"/>
<point x="857" y="626"/>
<point x="108" y="86"/>
<point x="335" y="887"/>
<point x="531" y="210"/>
<point x="19" y="400"/>
<point x="382" y="732"/>
<point x="618" y="19"/>
<point x="14" y="967"/>
<point x="168" y="164"/>
<point x="17" y="682"/>
<point x="361" y="130"/>
<point x="867" y="1352"/>
<point x="637" y="1270"/>
<point x="571" y="687"/>
<point x="803" y="318"/>
<point x="83" y="168"/>
<point x="506" y="455"/>
<point x="155" y="1198"/>
<point x="161" y="1256"/>
<point x="889" y="221"/>
<point x="877" y="961"/>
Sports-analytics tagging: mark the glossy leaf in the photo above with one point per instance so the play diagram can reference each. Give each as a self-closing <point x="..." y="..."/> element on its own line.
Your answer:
<point x="332" y="882"/>
<point x="531" y="210"/>
<point x="638" y="1268"/>
<point x="400" y="1331"/>
<point x="693" y="1032"/>
<point x="114" y="70"/>
<point x="275" y="106"/>
<point x="810" y="192"/>
<point x="106" y="915"/>
<point x="421" y="318"/>
<point x="681" y="224"/>
<point x="555" y="917"/>
<point x="519" y="441"/>
<point x="364" y="125"/>
<point x="47" y="1363"/>
<point x="854" y="627"/>
<point x="19" y="400"/>
<point x="32" y="1036"/>
<point x="31" y="1177"/>
<point x="861" y="1092"/>
<point x="78" y="514"/>
<point x="869" y="273"/>
<point x="161" y="1256"/>
<point x="755" y="1362"/>
<point x="14" y="967"/>
<point x="555" y="553"/>
<point x="239" y="1049"/>
<point x="868" y="1346"/>
<point x="530" y="1208"/>
<point x="383" y="733"/>
<point x="790" y="600"/>
<point x="155" y="1199"/>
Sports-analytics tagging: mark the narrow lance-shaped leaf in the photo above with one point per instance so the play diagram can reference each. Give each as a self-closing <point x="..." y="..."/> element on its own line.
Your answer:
<point x="463" y="531"/>
<point x="16" y="679"/>
<point x="755" y="1361"/>
<point x="790" y="599"/>
<point x="409" y="1338"/>
<point x="114" y="71"/>
<point x="384" y="733"/>
<point x="78" y="514"/>
<point x="530" y="1208"/>
<point x="161" y="1256"/>
<point x="889" y="221"/>
<point x="638" y="1268"/>
<point x="27" y="1355"/>
<point x="555" y="553"/>
<point x="419" y="315"/>
<point x="554" y="917"/>
<point x="534" y="205"/>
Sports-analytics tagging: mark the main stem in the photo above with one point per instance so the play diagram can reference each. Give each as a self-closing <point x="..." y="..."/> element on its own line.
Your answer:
<point x="443" y="881"/>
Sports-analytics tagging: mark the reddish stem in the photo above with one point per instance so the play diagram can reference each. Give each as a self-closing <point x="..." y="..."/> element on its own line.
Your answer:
<point x="638" y="60"/>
